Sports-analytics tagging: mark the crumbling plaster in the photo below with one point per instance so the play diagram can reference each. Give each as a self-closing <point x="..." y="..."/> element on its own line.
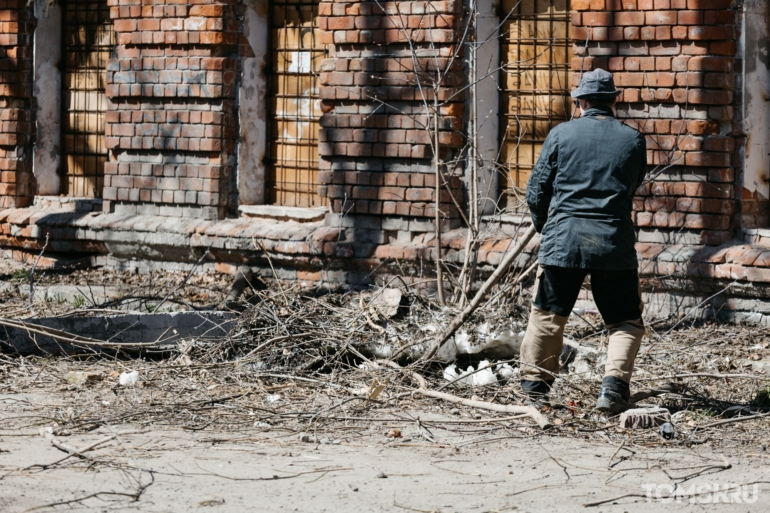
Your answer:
<point x="47" y="91"/>
<point x="756" y="107"/>
<point x="252" y="98"/>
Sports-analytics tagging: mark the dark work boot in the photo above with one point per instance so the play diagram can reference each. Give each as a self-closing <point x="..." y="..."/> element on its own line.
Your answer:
<point x="613" y="396"/>
<point x="537" y="392"/>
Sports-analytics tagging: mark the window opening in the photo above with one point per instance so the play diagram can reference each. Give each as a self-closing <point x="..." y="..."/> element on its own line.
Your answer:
<point x="536" y="52"/>
<point x="88" y="41"/>
<point x="296" y="55"/>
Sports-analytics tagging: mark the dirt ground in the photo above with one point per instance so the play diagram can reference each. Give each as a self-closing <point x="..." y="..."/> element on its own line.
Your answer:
<point x="364" y="470"/>
<point x="260" y="422"/>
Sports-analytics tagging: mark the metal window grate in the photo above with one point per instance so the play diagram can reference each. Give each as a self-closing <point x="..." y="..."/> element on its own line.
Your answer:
<point x="88" y="41"/>
<point x="536" y="52"/>
<point x="296" y="54"/>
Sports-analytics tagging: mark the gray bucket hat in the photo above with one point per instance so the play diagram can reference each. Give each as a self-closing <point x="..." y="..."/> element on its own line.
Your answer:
<point x="596" y="84"/>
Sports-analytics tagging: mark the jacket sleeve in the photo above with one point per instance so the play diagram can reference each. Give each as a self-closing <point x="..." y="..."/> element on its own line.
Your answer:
<point x="540" y="186"/>
<point x="641" y="147"/>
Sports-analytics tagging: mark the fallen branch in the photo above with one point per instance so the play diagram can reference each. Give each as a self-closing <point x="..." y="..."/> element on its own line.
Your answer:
<point x="731" y="421"/>
<point x="423" y="389"/>
<point x="701" y="375"/>
<point x="476" y="301"/>
<point x="73" y="451"/>
<point x="670" y="388"/>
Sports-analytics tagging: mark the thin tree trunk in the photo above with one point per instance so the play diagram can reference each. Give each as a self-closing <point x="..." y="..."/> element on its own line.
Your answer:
<point x="437" y="161"/>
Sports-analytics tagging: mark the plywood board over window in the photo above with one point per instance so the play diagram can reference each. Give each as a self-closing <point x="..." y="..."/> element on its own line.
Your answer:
<point x="296" y="55"/>
<point x="535" y="54"/>
<point x="88" y="41"/>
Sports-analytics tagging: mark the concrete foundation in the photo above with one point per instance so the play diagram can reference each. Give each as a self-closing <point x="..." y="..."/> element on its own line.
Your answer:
<point x="167" y="329"/>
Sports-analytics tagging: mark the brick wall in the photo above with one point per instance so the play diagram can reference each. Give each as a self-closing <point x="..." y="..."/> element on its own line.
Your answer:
<point x="172" y="123"/>
<point x="376" y="143"/>
<point x="16" y="103"/>
<point x="676" y="63"/>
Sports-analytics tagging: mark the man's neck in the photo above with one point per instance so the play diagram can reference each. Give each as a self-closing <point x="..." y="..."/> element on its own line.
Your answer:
<point x="597" y="111"/>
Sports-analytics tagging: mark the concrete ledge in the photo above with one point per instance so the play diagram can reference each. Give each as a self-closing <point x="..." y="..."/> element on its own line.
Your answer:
<point x="298" y="214"/>
<point x="67" y="204"/>
<point x="167" y="329"/>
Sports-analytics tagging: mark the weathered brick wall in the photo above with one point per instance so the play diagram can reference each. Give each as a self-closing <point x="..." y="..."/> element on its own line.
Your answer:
<point x="376" y="137"/>
<point x="16" y="103"/>
<point x="676" y="63"/>
<point x="172" y="123"/>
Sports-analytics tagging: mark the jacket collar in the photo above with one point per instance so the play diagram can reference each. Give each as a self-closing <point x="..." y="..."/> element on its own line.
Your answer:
<point x="598" y="111"/>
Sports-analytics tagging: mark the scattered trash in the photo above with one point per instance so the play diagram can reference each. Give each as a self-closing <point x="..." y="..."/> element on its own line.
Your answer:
<point x="396" y="433"/>
<point x="644" y="418"/>
<point x="505" y="371"/>
<point x="375" y="389"/>
<point x="667" y="430"/>
<point x="484" y="376"/>
<point x="459" y="378"/>
<point x="471" y="377"/>
<point x="368" y="366"/>
<point x="500" y="345"/>
<point x="128" y="378"/>
<point x="273" y="398"/>
<point x="80" y="377"/>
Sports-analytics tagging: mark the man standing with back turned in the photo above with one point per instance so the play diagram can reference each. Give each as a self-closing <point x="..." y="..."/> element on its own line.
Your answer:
<point x="580" y="196"/>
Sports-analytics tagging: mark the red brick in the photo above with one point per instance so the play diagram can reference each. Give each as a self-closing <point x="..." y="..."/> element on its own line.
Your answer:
<point x="711" y="32"/>
<point x="763" y="260"/>
<point x="661" y="17"/>
<point x="710" y="97"/>
<point x="709" y="4"/>
<point x="725" y="17"/>
<point x="726" y="144"/>
<point x="743" y="255"/>
<point x="629" y="18"/>
<point x="722" y="48"/>
<point x="679" y="32"/>
<point x="598" y="19"/>
<point x="699" y="127"/>
<point x="690" y="17"/>
<point x="759" y="275"/>
<point x="722" y="64"/>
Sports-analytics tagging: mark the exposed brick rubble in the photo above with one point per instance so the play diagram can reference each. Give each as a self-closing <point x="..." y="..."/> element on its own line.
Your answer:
<point x="16" y="103"/>
<point x="171" y="127"/>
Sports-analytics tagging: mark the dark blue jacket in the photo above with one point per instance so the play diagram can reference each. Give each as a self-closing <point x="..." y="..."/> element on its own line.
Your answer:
<point x="581" y="190"/>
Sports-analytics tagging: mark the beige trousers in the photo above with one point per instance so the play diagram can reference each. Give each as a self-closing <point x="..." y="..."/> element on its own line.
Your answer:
<point x="542" y="345"/>
<point x="544" y="338"/>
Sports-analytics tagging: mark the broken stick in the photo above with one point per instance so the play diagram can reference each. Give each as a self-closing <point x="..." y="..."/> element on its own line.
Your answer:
<point x="530" y="411"/>
<point x="491" y="281"/>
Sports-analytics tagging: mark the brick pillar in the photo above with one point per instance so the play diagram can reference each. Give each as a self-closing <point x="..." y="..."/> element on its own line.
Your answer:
<point x="171" y="125"/>
<point x="675" y="61"/>
<point x="376" y="153"/>
<point x="16" y="103"/>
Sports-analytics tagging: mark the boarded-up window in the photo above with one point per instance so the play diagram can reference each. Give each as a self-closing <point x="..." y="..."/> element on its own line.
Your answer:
<point x="88" y="40"/>
<point x="535" y="79"/>
<point x="296" y="54"/>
